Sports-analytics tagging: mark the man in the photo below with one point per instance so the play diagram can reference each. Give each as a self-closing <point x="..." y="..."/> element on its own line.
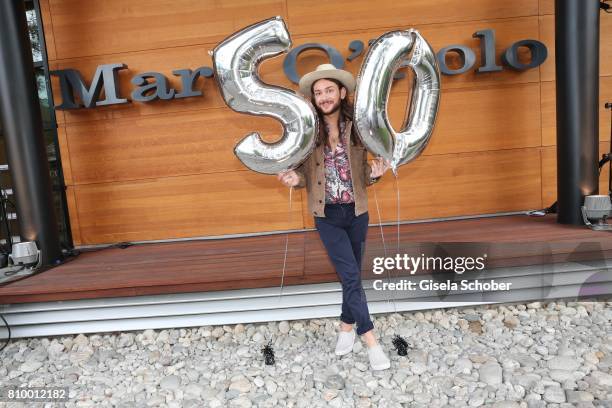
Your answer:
<point x="335" y="176"/>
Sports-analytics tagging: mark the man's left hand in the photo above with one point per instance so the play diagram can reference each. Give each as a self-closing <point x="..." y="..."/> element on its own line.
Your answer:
<point x="379" y="167"/>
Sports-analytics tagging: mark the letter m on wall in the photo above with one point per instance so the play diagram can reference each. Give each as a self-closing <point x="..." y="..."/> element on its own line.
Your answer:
<point x="72" y="85"/>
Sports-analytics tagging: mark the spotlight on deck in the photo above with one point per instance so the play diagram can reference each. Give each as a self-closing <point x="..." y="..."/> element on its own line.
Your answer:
<point x="24" y="260"/>
<point x="25" y="253"/>
<point x="596" y="210"/>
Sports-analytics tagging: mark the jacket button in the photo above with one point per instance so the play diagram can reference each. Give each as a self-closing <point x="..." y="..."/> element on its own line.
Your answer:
<point x="318" y="182"/>
<point x="317" y="163"/>
<point x="315" y="213"/>
<point x="320" y="201"/>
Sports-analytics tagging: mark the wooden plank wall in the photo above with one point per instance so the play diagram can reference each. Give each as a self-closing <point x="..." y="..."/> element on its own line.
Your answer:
<point x="165" y="169"/>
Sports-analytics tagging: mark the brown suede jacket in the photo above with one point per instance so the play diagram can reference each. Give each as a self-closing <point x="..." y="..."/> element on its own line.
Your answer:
<point x="312" y="176"/>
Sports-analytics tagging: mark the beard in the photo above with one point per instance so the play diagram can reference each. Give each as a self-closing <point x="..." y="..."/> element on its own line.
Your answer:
<point x="334" y="109"/>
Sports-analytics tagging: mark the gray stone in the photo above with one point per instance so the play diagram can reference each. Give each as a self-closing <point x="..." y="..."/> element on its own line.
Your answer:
<point x="336" y="403"/>
<point x="241" y="385"/>
<point x="81" y="340"/>
<point x="81" y="356"/>
<point x="563" y="363"/>
<point x="334" y="382"/>
<point x="271" y="387"/>
<point x="554" y="394"/>
<point x="463" y="365"/>
<point x="241" y="402"/>
<point x="418" y="356"/>
<point x="30" y="366"/>
<point x="525" y="360"/>
<point x="411" y="383"/>
<point x="193" y="390"/>
<point x="55" y="350"/>
<point x="560" y="375"/>
<point x="600" y="378"/>
<point x="506" y="404"/>
<point x="231" y="394"/>
<point x="491" y="373"/>
<point x="39" y="354"/>
<point x="363" y="391"/>
<point x="479" y="358"/>
<point x="148" y="334"/>
<point x="125" y="340"/>
<point x="605" y="362"/>
<point x="511" y="322"/>
<point x="171" y="382"/>
<point x="214" y="403"/>
<point x="591" y="357"/>
<point x="329" y="395"/>
<point x="422" y="397"/>
<point x="476" y="399"/>
<point x="283" y="327"/>
<point x="418" y="368"/>
<point x="578" y="396"/>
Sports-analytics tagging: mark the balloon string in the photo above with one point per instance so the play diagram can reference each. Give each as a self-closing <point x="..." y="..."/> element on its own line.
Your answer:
<point x="382" y="236"/>
<point x="397" y="192"/>
<point x="286" y="246"/>
<point x="398" y="211"/>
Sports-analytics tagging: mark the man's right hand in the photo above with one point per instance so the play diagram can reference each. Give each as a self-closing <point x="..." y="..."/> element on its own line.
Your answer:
<point x="289" y="178"/>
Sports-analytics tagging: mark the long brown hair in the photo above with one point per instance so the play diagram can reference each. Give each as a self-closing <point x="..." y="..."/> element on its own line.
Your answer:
<point x="346" y="113"/>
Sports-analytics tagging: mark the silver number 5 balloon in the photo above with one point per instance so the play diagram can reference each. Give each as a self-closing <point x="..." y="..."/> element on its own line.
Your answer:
<point x="235" y="62"/>
<point x="371" y="98"/>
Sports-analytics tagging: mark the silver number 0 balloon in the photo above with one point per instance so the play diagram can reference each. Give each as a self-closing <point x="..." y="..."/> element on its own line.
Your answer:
<point x="235" y="63"/>
<point x="374" y="85"/>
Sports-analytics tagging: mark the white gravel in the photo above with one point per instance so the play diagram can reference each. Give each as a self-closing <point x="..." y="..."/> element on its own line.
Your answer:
<point x="555" y="354"/>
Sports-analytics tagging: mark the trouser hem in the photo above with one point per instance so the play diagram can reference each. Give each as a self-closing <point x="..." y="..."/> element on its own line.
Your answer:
<point x="363" y="330"/>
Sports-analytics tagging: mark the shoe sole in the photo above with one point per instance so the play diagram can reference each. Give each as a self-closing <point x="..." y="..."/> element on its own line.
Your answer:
<point x="383" y="367"/>
<point x="343" y="352"/>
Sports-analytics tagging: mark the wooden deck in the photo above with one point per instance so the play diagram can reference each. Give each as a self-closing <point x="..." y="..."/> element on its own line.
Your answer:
<point x="209" y="265"/>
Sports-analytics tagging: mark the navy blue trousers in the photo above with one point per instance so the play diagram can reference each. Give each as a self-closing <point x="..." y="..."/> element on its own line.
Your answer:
<point x="344" y="236"/>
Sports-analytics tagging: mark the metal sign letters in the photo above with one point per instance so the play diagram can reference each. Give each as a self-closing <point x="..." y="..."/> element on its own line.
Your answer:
<point x="150" y="86"/>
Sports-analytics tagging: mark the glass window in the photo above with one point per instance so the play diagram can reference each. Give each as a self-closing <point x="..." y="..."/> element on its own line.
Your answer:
<point x="33" y="32"/>
<point x="45" y="97"/>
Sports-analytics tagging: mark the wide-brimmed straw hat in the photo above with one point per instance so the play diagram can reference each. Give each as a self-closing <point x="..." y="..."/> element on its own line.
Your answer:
<point x="326" y="71"/>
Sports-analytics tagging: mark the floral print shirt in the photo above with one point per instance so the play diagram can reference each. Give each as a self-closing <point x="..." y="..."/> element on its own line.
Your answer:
<point x="338" y="182"/>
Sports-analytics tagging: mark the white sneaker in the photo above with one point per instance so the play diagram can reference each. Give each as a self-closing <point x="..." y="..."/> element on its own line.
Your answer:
<point x="345" y="342"/>
<point x="378" y="358"/>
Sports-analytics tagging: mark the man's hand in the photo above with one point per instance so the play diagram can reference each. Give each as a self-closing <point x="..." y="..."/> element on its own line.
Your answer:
<point x="289" y="178"/>
<point x="379" y="167"/>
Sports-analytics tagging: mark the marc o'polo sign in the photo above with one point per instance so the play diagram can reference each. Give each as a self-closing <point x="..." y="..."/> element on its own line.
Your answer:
<point x="149" y="86"/>
<point x="152" y="85"/>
